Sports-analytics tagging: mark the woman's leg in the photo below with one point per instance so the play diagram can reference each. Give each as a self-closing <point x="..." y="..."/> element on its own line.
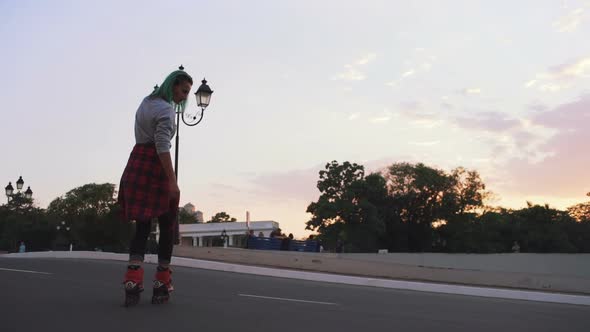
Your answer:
<point x="134" y="275"/>
<point x="139" y="241"/>
<point x="166" y="242"/>
<point x="163" y="283"/>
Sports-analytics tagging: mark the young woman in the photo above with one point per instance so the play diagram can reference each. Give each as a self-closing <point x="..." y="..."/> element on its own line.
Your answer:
<point x="148" y="186"/>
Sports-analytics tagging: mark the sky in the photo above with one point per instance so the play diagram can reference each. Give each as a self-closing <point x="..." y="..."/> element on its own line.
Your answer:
<point x="501" y="87"/>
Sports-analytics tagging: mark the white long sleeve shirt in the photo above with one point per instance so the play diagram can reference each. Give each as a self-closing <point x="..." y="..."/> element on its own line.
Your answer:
<point x="154" y="123"/>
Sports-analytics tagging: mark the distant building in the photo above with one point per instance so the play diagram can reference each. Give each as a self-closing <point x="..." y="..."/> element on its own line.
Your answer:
<point x="202" y="235"/>
<point x="190" y="208"/>
<point x="199" y="217"/>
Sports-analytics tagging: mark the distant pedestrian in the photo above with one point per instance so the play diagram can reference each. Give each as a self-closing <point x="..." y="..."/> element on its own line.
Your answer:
<point x="251" y="240"/>
<point x="339" y="246"/>
<point x="515" y="247"/>
<point x="22" y="247"/>
<point x="148" y="186"/>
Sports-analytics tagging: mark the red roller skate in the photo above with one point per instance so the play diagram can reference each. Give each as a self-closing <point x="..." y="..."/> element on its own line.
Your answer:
<point x="133" y="284"/>
<point x="162" y="286"/>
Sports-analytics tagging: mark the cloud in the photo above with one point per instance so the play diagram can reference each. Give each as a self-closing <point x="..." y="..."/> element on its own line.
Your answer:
<point x="353" y="116"/>
<point x="380" y="119"/>
<point x="571" y="21"/>
<point x="418" y="116"/>
<point x="562" y="76"/>
<point x="224" y="187"/>
<point x="411" y="106"/>
<point x="572" y="70"/>
<point x="491" y="121"/>
<point x="392" y="84"/>
<point x="447" y="106"/>
<point x="563" y="170"/>
<point x="427" y="123"/>
<point x="426" y="144"/>
<point x="419" y="63"/>
<point x="506" y="135"/>
<point x="470" y="91"/>
<point x="353" y="73"/>
<point x="295" y="184"/>
<point x="366" y="59"/>
<point x="408" y="73"/>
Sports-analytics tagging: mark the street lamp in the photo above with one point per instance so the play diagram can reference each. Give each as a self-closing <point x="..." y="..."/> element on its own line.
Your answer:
<point x="28" y="193"/>
<point x="224" y="236"/>
<point x="66" y="228"/>
<point x="192" y="117"/>
<point x="19" y="183"/>
<point x="9" y="189"/>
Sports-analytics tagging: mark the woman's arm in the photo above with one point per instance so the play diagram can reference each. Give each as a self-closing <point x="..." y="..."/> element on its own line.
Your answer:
<point x="166" y="161"/>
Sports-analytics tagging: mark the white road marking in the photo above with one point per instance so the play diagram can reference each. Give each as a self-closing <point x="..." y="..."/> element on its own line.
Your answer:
<point x="286" y="299"/>
<point x="26" y="271"/>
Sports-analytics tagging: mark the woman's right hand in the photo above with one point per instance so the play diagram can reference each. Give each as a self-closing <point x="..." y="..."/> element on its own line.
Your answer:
<point x="174" y="190"/>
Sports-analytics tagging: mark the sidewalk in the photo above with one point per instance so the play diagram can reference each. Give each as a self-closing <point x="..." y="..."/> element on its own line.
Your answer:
<point x="387" y="266"/>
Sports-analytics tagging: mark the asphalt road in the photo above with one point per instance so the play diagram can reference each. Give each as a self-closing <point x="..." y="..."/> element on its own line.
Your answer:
<point x="86" y="295"/>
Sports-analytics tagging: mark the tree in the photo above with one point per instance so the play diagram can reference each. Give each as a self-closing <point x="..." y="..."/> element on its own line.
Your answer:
<point x="469" y="190"/>
<point x="185" y="217"/>
<point x="580" y="212"/>
<point x="543" y="229"/>
<point x="348" y="207"/>
<point x="18" y="203"/>
<point x="421" y="195"/>
<point x="92" y="197"/>
<point x="333" y="185"/>
<point x="20" y="220"/>
<point x="93" y="215"/>
<point x="221" y="217"/>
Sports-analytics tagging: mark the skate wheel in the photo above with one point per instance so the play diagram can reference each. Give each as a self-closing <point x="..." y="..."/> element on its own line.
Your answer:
<point x="160" y="299"/>
<point x="131" y="300"/>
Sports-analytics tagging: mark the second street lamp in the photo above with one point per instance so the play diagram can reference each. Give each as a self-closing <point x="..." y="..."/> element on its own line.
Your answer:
<point x="224" y="237"/>
<point x="66" y="229"/>
<point x="28" y="193"/>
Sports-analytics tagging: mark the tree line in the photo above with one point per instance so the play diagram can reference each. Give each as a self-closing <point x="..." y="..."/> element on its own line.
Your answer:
<point x="417" y="208"/>
<point x="87" y="217"/>
<point x="405" y="208"/>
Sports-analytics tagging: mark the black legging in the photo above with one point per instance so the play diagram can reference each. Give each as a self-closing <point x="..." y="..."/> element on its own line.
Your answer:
<point x="165" y="244"/>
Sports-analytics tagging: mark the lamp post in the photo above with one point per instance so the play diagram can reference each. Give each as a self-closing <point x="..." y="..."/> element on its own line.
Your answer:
<point x="189" y="117"/>
<point x="9" y="189"/>
<point x="224" y="236"/>
<point x="66" y="229"/>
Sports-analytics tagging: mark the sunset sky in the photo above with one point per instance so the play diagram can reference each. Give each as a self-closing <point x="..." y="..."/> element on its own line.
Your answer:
<point x="502" y="87"/>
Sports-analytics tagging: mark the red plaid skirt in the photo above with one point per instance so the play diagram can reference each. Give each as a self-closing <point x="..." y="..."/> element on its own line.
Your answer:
<point x="143" y="191"/>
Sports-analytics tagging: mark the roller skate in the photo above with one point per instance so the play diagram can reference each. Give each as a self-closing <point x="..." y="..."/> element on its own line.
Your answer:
<point x="133" y="285"/>
<point x="162" y="286"/>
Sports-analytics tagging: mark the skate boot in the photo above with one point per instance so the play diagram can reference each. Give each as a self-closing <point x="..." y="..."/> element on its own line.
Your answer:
<point x="162" y="286"/>
<point x="133" y="284"/>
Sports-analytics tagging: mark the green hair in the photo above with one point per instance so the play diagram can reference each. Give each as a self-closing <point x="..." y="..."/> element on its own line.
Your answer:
<point x="165" y="89"/>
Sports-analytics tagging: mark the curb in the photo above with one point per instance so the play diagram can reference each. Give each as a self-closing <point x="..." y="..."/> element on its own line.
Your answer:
<point x="326" y="277"/>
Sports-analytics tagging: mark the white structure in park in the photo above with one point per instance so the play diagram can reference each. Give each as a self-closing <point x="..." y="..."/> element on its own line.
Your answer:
<point x="202" y="235"/>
